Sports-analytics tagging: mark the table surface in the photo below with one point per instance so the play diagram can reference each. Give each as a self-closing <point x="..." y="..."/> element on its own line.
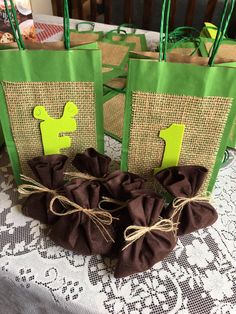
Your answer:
<point x="198" y="277"/>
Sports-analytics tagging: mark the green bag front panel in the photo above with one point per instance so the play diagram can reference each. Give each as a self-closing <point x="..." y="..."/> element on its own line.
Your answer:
<point x="162" y="94"/>
<point x="1" y="136"/>
<point x="66" y="88"/>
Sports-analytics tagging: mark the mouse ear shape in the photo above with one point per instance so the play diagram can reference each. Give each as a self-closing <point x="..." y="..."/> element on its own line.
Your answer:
<point x="70" y="109"/>
<point x="40" y="113"/>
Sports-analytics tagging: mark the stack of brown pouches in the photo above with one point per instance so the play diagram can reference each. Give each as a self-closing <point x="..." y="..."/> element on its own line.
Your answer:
<point x="112" y="214"/>
<point x="49" y="170"/>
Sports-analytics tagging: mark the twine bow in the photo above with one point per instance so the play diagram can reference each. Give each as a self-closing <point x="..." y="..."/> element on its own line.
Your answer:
<point x="180" y="202"/>
<point x="107" y="200"/>
<point x="33" y="188"/>
<point x="81" y="175"/>
<point x="99" y="217"/>
<point x="164" y="225"/>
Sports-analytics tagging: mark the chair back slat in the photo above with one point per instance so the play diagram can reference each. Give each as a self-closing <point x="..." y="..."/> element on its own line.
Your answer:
<point x="128" y="11"/>
<point x="107" y="11"/>
<point x="172" y="14"/>
<point x="93" y="5"/>
<point x="76" y="9"/>
<point x="190" y="12"/>
<point x="210" y="9"/>
<point x="147" y="13"/>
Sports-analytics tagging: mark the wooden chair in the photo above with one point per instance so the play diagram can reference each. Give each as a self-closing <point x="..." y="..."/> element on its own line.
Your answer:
<point x="76" y="11"/>
<point x="148" y="13"/>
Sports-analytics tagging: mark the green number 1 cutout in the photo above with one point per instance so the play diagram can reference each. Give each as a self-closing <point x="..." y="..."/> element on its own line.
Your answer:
<point x="173" y="137"/>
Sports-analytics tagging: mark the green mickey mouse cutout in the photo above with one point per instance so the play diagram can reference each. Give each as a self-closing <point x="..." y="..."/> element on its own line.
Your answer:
<point x="52" y="128"/>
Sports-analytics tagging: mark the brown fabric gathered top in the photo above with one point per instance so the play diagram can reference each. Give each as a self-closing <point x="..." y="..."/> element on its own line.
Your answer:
<point x="49" y="171"/>
<point x="119" y="184"/>
<point x="150" y="248"/>
<point x="185" y="182"/>
<point x="77" y="231"/>
<point x="92" y="163"/>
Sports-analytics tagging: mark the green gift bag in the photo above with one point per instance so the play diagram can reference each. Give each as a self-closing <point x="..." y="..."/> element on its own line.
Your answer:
<point x="121" y="34"/>
<point x="227" y="50"/>
<point x="1" y="136"/>
<point x="50" y="101"/>
<point x="178" y="113"/>
<point x="85" y="36"/>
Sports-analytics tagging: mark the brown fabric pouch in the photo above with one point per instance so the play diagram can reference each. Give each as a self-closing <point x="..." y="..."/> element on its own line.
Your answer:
<point x="49" y="170"/>
<point x="92" y="163"/>
<point x="119" y="185"/>
<point x="77" y="232"/>
<point x="153" y="246"/>
<point x="186" y="181"/>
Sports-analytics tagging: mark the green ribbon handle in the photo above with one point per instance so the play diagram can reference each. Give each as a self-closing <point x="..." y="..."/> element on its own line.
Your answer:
<point x="164" y="29"/>
<point x="66" y="23"/>
<point x="11" y="14"/>
<point x="12" y="17"/>
<point x="131" y="26"/>
<point x="224" y="23"/>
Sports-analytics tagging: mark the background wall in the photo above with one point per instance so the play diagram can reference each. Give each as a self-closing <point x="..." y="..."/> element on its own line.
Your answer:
<point x="41" y="6"/>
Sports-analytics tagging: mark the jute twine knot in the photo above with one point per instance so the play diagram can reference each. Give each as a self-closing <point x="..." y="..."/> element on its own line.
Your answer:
<point x="164" y="225"/>
<point x="81" y="175"/>
<point x="107" y="200"/>
<point x="99" y="217"/>
<point x="33" y="188"/>
<point x="180" y="202"/>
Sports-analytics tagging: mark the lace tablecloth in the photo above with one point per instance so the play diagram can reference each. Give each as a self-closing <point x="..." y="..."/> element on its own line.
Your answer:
<point x="199" y="277"/>
<point x="36" y="276"/>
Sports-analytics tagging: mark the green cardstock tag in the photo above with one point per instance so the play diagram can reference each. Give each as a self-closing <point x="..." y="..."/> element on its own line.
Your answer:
<point x="51" y="128"/>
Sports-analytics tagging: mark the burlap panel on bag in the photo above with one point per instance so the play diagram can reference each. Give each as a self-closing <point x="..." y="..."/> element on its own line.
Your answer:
<point x="84" y="37"/>
<point x="225" y="51"/>
<point x="204" y="120"/>
<point x="114" y="115"/>
<point x="21" y="98"/>
<point x="131" y="39"/>
<point x="113" y="54"/>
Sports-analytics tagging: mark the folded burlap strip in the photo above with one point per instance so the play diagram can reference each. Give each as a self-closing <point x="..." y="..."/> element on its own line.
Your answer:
<point x="163" y="225"/>
<point x="99" y="217"/>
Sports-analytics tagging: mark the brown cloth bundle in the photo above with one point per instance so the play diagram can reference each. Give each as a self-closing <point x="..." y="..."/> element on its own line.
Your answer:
<point x="92" y="163"/>
<point x="80" y="230"/>
<point x="49" y="170"/>
<point x="151" y="239"/>
<point x="191" y="211"/>
<point x="119" y="185"/>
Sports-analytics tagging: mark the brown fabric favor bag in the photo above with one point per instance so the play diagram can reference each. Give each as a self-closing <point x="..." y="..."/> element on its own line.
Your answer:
<point x="191" y="211"/>
<point x="119" y="185"/>
<point x="49" y="170"/>
<point x="76" y="230"/>
<point x="92" y="163"/>
<point x="155" y="241"/>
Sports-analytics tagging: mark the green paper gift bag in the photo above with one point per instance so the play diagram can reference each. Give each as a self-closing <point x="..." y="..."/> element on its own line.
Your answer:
<point x="50" y="101"/>
<point x="1" y="136"/>
<point x="178" y="113"/>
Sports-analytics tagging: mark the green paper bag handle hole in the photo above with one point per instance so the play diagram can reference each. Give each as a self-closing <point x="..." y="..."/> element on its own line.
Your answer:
<point x="12" y="16"/>
<point x="91" y="26"/>
<point x="122" y="33"/>
<point x="131" y="26"/>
